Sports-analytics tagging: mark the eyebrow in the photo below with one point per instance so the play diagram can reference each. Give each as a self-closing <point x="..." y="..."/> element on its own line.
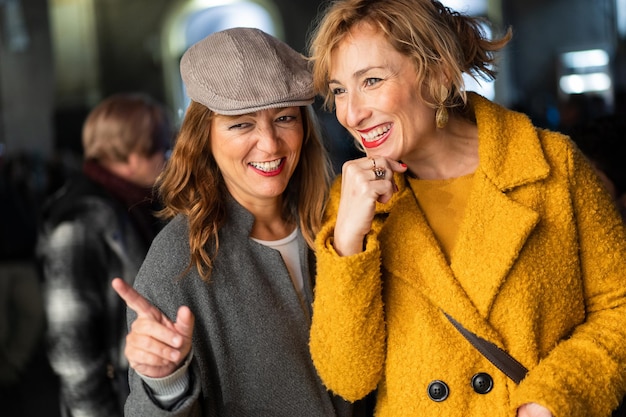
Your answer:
<point x="358" y="73"/>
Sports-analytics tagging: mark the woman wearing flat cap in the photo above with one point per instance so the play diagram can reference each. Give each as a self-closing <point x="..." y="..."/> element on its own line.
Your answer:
<point x="220" y="311"/>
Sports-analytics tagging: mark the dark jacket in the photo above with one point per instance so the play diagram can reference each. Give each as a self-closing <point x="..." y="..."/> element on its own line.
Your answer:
<point x="87" y="238"/>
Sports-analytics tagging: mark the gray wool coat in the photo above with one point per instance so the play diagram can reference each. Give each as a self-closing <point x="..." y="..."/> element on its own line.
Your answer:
<point x="250" y="342"/>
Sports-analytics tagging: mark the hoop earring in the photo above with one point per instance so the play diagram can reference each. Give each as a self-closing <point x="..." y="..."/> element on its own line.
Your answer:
<point x="441" y="115"/>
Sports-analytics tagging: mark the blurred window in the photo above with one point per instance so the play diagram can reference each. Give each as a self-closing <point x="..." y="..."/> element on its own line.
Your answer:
<point x="620" y="15"/>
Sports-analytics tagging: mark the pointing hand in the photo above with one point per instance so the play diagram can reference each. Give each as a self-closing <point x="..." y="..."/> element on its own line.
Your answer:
<point x="155" y="346"/>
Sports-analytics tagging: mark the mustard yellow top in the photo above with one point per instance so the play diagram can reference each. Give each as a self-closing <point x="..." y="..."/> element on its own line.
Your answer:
<point x="541" y="251"/>
<point x="443" y="203"/>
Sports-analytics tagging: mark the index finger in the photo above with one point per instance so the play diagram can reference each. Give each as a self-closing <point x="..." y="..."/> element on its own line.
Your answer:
<point x="133" y="299"/>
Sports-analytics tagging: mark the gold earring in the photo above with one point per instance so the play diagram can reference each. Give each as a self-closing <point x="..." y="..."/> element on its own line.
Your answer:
<point x="441" y="115"/>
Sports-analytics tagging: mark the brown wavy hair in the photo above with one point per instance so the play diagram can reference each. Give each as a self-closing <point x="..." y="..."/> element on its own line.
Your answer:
<point x="192" y="185"/>
<point x="437" y="39"/>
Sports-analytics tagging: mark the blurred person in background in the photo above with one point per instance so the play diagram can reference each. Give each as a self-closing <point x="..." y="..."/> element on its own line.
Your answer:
<point x="98" y="226"/>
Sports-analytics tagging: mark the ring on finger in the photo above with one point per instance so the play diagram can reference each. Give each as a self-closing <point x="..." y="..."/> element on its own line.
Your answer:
<point x="379" y="173"/>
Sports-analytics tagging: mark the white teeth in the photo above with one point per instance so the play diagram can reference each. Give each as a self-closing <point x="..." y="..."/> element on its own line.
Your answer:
<point x="266" y="166"/>
<point x="374" y="134"/>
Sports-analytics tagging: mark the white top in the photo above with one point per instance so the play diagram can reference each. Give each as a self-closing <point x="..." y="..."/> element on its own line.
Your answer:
<point x="288" y="248"/>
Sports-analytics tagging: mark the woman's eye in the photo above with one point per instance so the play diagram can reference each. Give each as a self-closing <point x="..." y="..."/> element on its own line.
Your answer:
<point x="372" y="81"/>
<point x="238" y="126"/>
<point x="286" y="118"/>
<point x="337" y="90"/>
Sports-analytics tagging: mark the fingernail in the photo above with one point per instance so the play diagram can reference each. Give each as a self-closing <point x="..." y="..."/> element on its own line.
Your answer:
<point x="403" y="164"/>
<point x="174" y="355"/>
<point x="177" y="340"/>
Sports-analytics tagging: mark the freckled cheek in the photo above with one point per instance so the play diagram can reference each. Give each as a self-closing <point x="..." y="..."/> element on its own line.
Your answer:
<point x="391" y="103"/>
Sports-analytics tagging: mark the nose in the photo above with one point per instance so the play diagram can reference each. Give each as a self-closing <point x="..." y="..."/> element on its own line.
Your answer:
<point x="267" y="138"/>
<point x="352" y="111"/>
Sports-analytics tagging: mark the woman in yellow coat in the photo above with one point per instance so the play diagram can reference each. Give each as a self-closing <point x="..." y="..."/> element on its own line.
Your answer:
<point x="461" y="208"/>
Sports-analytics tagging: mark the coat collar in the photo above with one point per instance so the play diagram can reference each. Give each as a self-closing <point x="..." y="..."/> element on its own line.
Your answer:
<point x="509" y="149"/>
<point x="510" y="156"/>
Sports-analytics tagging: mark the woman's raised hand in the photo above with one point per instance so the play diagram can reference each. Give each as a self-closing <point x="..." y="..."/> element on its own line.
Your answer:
<point x="155" y="346"/>
<point x="364" y="182"/>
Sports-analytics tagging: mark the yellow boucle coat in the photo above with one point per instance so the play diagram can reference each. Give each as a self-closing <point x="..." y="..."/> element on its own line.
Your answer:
<point x="538" y="269"/>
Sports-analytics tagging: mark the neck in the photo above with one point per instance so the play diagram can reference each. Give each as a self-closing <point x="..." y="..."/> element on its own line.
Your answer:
<point x="271" y="229"/>
<point x="451" y="153"/>
<point x="269" y="220"/>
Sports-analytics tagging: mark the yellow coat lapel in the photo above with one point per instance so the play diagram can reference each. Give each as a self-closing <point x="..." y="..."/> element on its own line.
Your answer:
<point x="496" y="224"/>
<point x="487" y="246"/>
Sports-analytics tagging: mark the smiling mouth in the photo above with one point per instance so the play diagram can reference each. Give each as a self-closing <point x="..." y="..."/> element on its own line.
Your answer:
<point x="376" y="133"/>
<point x="268" y="166"/>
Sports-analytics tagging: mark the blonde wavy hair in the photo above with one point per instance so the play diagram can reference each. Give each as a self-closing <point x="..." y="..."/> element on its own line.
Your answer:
<point x="436" y="38"/>
<point x="193" y="186"/>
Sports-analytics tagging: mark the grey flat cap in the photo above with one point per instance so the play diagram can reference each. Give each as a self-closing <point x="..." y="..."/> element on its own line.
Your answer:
<point x="243" y="70"/>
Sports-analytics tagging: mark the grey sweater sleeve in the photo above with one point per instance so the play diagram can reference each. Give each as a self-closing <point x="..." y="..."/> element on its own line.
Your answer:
<point x="171" y="389"/>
